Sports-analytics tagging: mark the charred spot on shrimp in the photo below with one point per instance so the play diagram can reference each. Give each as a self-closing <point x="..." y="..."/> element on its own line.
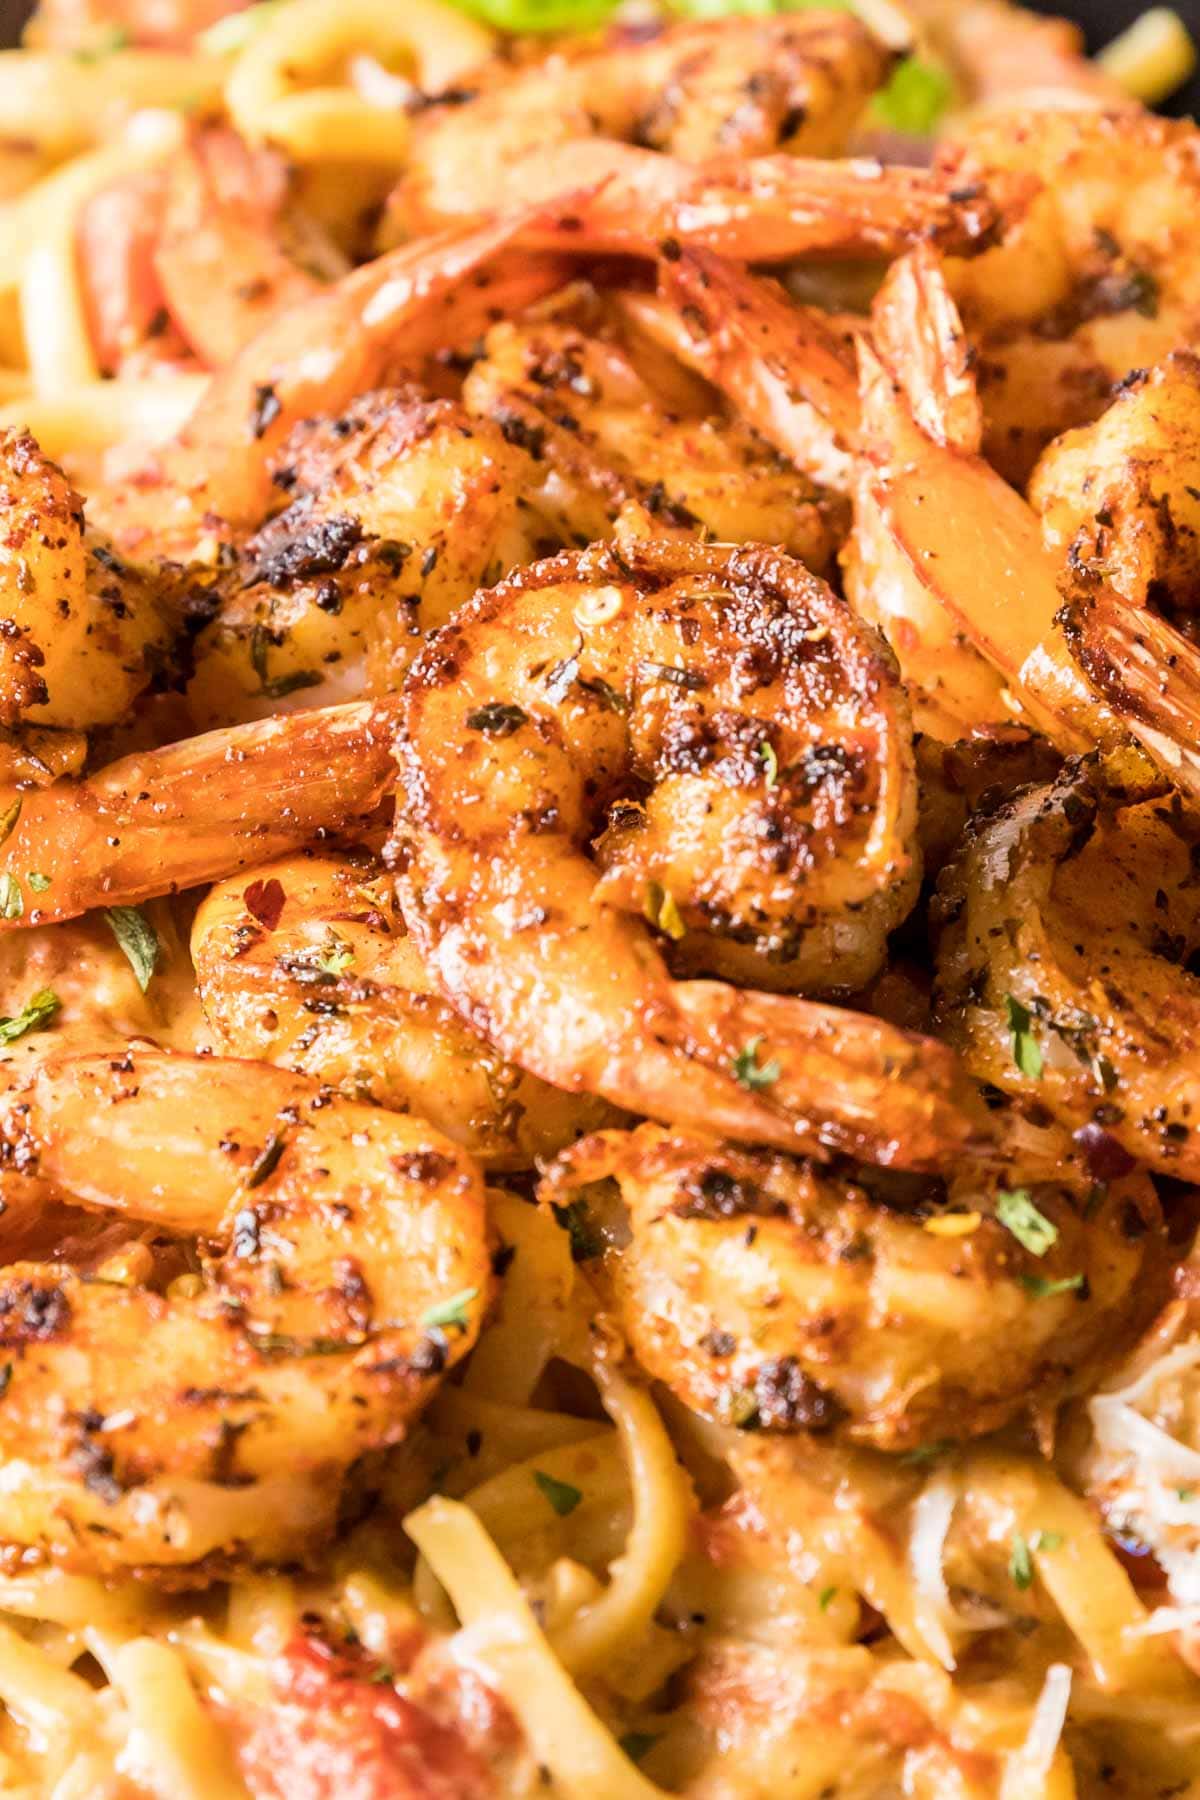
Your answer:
<point x="33" y="1312"/>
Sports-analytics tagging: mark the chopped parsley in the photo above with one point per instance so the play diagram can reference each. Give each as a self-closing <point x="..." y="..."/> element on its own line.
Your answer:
<point x="451" y="1314"/>
<point x="826" y="1597"/>
<point x="575" y="1220"/>
<point x="277" y="687"/>
<point x="37" y="881"/>
<point x="926" y="1453"/>
<point x="770" y="763"/>
<point x="335" y="955"/>
<point x="137" y="939"/>
<point x="1017" y="1213"/>
<point x="1041" y="1289"/>
<point x="34" y="1014"/>
<point x="1026" y="1050"/>
<point x="750" y="1072"/>
<point x="497" y="719"/>
<point x="9" y="817"/>
<point x="1020" y="1563"/>
<point x="562" y="1496"/>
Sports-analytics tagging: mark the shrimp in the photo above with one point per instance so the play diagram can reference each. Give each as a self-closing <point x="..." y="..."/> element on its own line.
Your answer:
<point x="1068" y="922"/>
<point x="1000" y="51"/>
<point x="400" y="508"/>
<point x="704" y="109"/>
<point x="215" y="475"/>
<point x="1096" y="279"/>
<point x="600" y="438"/>
<point x="751" y="745"/>
<point x="162" y="820"/>
<point x="1149" y="675"/>
<point x="1119" y="497"/>
<point x="83" y="630"/>
<point x="769" y="1294"/>
<point x="310" y="967"/>
<point x="346" y="1266"/>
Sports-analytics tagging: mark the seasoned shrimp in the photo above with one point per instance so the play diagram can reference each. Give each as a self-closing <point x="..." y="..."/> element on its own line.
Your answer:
<point x="751" y="746"/>
<point x="310" y="967"/>
<point x="401" y="508"/>
<point x="1095" y="280"/>
<point x="1063" y="969"/>
<point x="1121" y="498"/>
<point x="82" y="630"/>
<point x="1148" y="674"/>
<point x="162" y="820"/>
<point x="316" y="359"/>
<point x="681" y="136"/>
<point x="772" y="1295"/>
<point x="600" y="437"/>
<point x="345" y="1267"/>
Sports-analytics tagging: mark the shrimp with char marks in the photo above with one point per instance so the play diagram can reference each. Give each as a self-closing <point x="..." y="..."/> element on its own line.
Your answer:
<point x="343" y="1266"/>
<point x="688" y="135"/>
<point x="310" y="966"/>
<point x="771" y="1294"/>
<point x="399" y="509"/>
<point x="601" y="437"/>
<point x="744" y="745"/>
<point x="1069" y="921"/>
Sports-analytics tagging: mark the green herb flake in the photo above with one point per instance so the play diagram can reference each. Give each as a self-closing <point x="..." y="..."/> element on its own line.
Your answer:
<point x="137" y="938"/>
<point x="663" y="912"/>
<point x="12" y="900"/>
<point x="451" y="1314"/>
<point x="335" y="955"/>
<point x="116" y="37"/>
<point x="750" y="1072"/>
<point x="383" y="1677"/>
<point x="1047" y="1540"/>
<point x="637" y="1744"/>
<point x="826" y="1598"/>
<point x="562" y="1496"/>
<point x="1017" y="1213"/>
<point x="37" y="881"/>
<point x="9" y="817"/>
<point x="277" y="687"/>
<point x="1026" y="1050"/>
<point x="498" y="719"/>
<point x="1020" y="1563"/>
<point x="915" y="98"/>
<point x="770" y="763"/>
<point x="1185" y="1494"/>
<point x="37" y="1012"/>
<point x="927" y="1453"/>
<point x="1041" y="1289"/>
<point x="575" y="1220"/>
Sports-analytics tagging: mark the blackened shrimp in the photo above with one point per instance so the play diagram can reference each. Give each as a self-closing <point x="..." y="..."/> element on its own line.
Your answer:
<point x="1070" y="923"/>
<point x="772" y="1295"/>
<point x="309" y="965"/>
<point x="343" y="1264"/>
<point x="742" y="745"/>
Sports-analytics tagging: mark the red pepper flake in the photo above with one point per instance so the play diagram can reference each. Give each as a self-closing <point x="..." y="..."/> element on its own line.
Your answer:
<point x="265" y="900"/>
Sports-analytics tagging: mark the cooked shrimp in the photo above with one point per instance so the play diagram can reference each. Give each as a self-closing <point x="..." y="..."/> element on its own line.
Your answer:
<point x="401" y="508"/>
<point x="1098" y="278"/>
<point x="600" y="437"/>
<point x="1063" y="975"/>
<point x="1000" y="52"/>
<point x="769" y="1294"/>
<point x="1121" y="498"/>
<point x="83" y="630"/>
<point x="1149" y="675"/>
<point x="310" y="967"/>
<point x="162" y="820"/>
<point x="216" y="1422"/>
<point x="750" y="744"/>
<point x="316" y="359"/>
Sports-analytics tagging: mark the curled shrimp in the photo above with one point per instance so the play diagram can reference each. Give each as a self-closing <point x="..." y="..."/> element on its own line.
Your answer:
<point x="601" y="437"/>
<point x="316" y="358"/>
<point x="750" y="744"/>
<point x="163" y="820"/>
<point x="770" y="1294"/>
<point x="310" y="966"/>
<point x="1148" y="674"/>
<point x="1096" y="278"/>
<point x="400" y="508"/>
<point x="344" y="1265"/>
<point x="1069" y="921"/>
<point x="83" y="629"/>
<point x="715" y="100"/>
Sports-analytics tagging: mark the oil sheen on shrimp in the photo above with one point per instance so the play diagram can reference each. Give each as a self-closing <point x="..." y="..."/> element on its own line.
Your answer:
<point x="770" y="1294"/>
<point x="214" y="1422"/>
<point x="308" y="964"/>
<point x="743" y="746"/>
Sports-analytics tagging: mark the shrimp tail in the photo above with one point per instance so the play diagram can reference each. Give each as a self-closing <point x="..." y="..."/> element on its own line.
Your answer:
<point x="1149" y="674"/>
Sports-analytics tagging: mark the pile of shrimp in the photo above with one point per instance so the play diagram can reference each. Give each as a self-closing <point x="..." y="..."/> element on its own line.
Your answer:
<point x="656" y="691"/>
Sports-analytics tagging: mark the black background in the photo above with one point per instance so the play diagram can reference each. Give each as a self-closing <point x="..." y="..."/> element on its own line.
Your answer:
<point x="1101" y="19"/>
